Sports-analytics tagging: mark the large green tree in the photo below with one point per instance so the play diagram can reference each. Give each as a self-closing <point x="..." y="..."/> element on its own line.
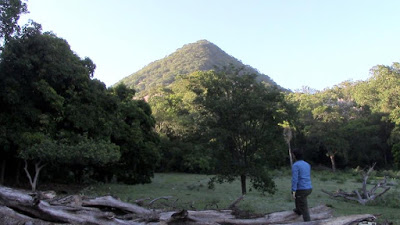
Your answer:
<point x="382" y="94"/>
<point x="240" y="119"/>
<point x="177" y="121"/>
<point x="133" y="132"/>
<point x="46" y="99"/>
<point x="53" y="113"/>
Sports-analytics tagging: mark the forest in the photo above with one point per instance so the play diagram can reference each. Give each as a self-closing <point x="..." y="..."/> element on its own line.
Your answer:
<point x="60" y="125"/>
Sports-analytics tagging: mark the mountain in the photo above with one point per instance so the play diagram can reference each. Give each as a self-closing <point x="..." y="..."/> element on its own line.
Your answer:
<point x="201" y="55"/>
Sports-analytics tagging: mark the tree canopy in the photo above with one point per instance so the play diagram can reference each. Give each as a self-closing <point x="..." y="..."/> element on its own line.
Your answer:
<point x="241" y="121"/>
<point x="54" y="113"/>
<point x="10" y="11"/>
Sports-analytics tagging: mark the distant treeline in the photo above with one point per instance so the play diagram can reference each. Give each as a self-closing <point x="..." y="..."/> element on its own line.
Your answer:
<point x="352" y="124"/>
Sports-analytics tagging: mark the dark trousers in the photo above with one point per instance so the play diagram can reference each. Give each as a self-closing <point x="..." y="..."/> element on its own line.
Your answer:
<point x="301" y="203"/>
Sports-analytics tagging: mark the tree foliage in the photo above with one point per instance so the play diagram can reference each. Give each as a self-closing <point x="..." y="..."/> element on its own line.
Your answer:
<point x="177" y="121"/>
<point x="350" y="121"/>
<point x="133" y="132"/>
<point x="240" y="120"/>
<point x="54" y="113"/>
<point x="10" y="11"/>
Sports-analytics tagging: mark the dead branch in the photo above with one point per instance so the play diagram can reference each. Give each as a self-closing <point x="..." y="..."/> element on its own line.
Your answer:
<point x="233" y="205"/>
<point x="140" y="202"/>
<point x="156" y="199"/>
<point x="365" y="195"/>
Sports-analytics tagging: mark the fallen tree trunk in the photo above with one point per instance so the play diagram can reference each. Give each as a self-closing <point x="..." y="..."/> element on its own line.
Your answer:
<point x="22" y="207"/>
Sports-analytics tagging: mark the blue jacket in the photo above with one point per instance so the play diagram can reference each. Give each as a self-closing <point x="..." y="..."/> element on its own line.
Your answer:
<point x="301" y="176"/>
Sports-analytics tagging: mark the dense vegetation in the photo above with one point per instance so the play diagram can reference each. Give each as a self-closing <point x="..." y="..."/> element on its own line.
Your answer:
<point x="54" y="117"/>
<point x="342" y="127"/>
<point x="353" y="123"/>
<point x="205" y="113"/>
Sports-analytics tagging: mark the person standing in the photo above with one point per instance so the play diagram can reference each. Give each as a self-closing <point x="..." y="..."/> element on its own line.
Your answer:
<point x="301" y="184"/>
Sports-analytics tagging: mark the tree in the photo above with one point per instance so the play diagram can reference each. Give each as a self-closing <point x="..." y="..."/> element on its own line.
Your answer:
<point x="323" y="117"/>
<point x="10" y="10"/>
<point x="241" y="117"/>
<point x="133" y="132"/>
<point x="177" y="123"/>
<point x="381" y="91"/>
<point x="367" y="140"/>
<point x="288" y="135"/>
<point x="326" y="132"/>
<point x="80" y="151"/>
<point x="59" y="114"/>
<point x="382" y="94"/>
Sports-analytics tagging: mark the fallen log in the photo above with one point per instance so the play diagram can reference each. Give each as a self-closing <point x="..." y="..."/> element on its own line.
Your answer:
<point x="42" y="210"/>
<point x="109" y="201"/>
<point x="22" y="207"/>
<point x="226" y="217"/>
<point x="343" y="220"/>
<point x="10" y="216"/>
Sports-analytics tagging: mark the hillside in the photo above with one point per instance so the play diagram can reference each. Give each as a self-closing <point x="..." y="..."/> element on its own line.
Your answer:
<point x="201" y="55"/>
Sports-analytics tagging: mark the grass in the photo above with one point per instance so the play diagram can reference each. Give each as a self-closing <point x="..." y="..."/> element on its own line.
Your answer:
<point x="190" y="191"/>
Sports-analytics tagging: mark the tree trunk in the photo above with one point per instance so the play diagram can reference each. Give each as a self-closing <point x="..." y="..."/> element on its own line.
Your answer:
<point x="3" y="171"/>
<point x="287" y="134"/>
<point x="290" y="155"/>
<point x="332" y="157"/>
<point x="18" y="172"/>
<point x="385" y="157"/>
<point x="35" y="179"/>
<point x="243" y="183"/>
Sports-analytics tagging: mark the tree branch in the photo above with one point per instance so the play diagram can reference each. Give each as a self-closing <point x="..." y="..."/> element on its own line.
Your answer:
<point x="156" y="199"/>
<point x="366" y="195"/>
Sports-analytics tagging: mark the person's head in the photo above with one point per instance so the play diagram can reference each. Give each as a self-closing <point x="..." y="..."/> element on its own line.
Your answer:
<point x="298" y="153"/>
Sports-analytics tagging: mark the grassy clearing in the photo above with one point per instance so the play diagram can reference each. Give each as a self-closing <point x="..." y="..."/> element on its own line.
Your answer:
<point x="191" y="191"/>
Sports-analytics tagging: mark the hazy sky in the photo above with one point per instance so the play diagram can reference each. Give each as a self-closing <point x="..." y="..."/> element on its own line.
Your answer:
<point x="315" y="43"/>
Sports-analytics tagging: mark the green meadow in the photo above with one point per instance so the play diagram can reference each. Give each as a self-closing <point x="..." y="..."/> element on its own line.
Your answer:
<point x="190" y="191"/>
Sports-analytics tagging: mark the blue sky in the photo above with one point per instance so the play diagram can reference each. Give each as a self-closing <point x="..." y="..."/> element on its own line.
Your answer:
<point x="314" y="43"/>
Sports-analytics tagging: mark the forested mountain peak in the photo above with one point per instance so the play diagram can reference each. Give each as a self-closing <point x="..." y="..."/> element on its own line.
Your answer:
<point x="201" y="55"/>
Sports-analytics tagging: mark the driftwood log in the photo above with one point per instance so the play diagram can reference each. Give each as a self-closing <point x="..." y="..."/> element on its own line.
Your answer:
<point x="23" y="207"/>
<point x="363" y="195"/>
